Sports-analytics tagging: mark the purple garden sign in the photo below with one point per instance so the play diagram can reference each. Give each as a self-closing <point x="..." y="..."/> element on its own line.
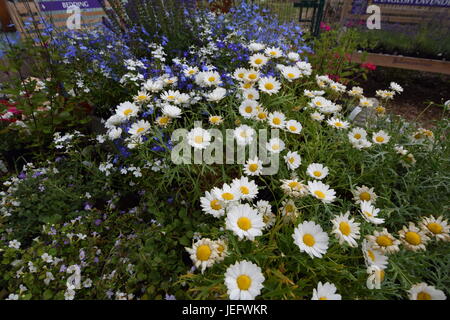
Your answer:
<point x="63" y="5"/>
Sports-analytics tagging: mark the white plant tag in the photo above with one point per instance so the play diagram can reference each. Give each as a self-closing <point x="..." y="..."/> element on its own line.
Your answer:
<point x="354" y="113"/>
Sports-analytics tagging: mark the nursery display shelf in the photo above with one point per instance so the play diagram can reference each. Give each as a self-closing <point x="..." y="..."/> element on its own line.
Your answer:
<point x="402" y="62"/>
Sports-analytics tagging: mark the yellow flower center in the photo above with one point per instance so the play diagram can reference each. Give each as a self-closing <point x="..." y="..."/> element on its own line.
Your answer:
<point x="291" y="160"/>
<point x="163" y="120"/>
<point x="262" y="115"/>
<point x="212" y="79"/>
<point x="258" y="61"/>
<point x="367" y="213"/>
<point x="227" y="196"/>
<point x="192" y="71"/>
<point x="247" y="85"/>
<point x="434" y="227"/>
<point x="413" y="238"/>
<point x="318" y="103"/>
<point x="289" y="208"/>
<point x="241" y="75"/>
<point x="140" y="130"/>
<point x="215" y="205"/>
<point x="171" y="97"/>
<point x="379" y="139"/>
<point x="423" y="296"/>
<point x="357" y="136"/>
<point x="317" y="173"/>
<point x="244" y="223"/>
<point x="309" y="240"/>
<point x="220" y="248"/>
<point x="344" y="227"/>
<point x="384" y="241"/>
<point x="273" y="53"/>
<point x="198" y="139"/>
<point x="319" y="194"/>
<point x="293" y="128"/>
<point x="269" y="86"/>
<point x="245" y="190"/>
<point x="127" y="112"/>
<point x="293" y="184"/>
<point x="252" y="76"/>
<point x="203" y="252"/>
<point x="275" y="146"/>
<point x="323" y="298"/>
<point x="250" y="96"/>
<point x="338" y="124"/>
<point x="243" y="282"/>
<point x="291" y="75"/>
<point x="248" y="109"/>
<point x="214" y="119"/>
<point x="142" y="97"/>
<point x="276" y="121"/>
<point x="253" y="167"/>
<point x="365" y="196"/>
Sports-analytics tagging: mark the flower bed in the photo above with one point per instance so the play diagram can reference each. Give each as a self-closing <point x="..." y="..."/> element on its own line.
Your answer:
<point x="150" y="203"/>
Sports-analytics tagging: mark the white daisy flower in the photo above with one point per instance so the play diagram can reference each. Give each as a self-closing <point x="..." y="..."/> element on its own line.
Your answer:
<point x="170" y="95"/>
<point x="199" y="138"/>
<point x="277" y="120"/>
<point x="244" y="221"/>
<point x="203" y="253"/>
<point x="294" y="126"/>
<point x="261" y="114"/>
<point x="253" y="167"/>
<point x="258" y="60"/>
<point x="293" y="56"/>
<point x="153" y="85"/>
<point x="248" y="109"/>
<point x="127" y="110"/>
<point x="273" y="52"/>
<point x="357" y="134"/>
<point x="317" y="116"/>
<point x="255" y="46"/>
<point x="364" y="102"/>
<point x="364" y="193"/>
<point x="436" y="227"/>
<point x="208" y="78"/>
<point x="370" y="213"/>
<point x="244" y="134"/>
<point x="356" y="92"/>
<point x="244" y="280"/>
<point x="291" y="73"/>
<point x="293" y="160"/>
<point x="171" y="111"/>
<point x="239" y="74"/>
<point x="114" y="133"/>
<point x="396" y="87"/>
<point x="294" y="188"/>
<point x="311" y="238"/>
<point x="139" y="128"/>
<point x="248" y="188"/>
<point x="190" y="71"/>
<point x="380" y="137"/>
<point x="413" y="238"/>
<point x="305" y="67"/>
<point x="141" y="97"/>
<point x="212" y="205"/>
<point x="321" y="191"/>
<point x="338" y="123"/>
<point x="227" y="194"/>
<point x="216" y="95"/>
<point x="251" y="76"/>
<point x="222" y="250"/>
<point x="269" y="85"/>
<point x="423" y="291"/>
<point x="317" y="171"/>
<point x="361" y="144"/>
<point x="383" y="241"/>
<point x="163" y="121"/>
<point x="215" y="120"/>
<point x="289" y="210"/>
<point x="250" y="94"/>
<point x="326" y="291"/>
<point x="346" y="229"/>
<point x="275" y="145"/>
<point x="373" y="256"/>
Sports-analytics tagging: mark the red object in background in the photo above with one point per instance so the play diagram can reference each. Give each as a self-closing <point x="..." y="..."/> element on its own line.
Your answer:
<point x="10" y="108"/>
<point x="222" y="6"/>
<point x="324" y="26"/>
<point x="369" y="66"/>
<point x="333" y="77"/>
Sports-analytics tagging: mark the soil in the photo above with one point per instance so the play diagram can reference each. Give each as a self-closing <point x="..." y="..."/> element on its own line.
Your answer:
<point x="419" y="90"/>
